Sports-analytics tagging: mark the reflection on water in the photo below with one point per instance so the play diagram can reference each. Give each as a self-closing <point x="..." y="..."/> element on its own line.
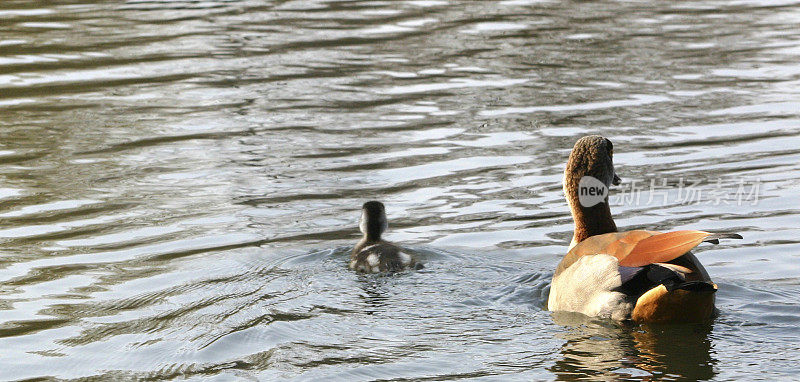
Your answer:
<point x="180" y="184"/>
<point x="608" y="351"/>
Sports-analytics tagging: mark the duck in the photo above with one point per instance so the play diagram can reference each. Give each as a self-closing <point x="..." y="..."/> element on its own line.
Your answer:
<point x="372" y="254"/>
<point x="639" y="275"/>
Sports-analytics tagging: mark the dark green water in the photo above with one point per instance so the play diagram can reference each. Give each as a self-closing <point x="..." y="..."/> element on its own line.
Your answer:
<point x="180" y="183"/>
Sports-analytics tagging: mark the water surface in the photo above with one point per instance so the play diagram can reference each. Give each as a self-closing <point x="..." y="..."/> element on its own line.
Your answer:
<point x="180" y="184"/>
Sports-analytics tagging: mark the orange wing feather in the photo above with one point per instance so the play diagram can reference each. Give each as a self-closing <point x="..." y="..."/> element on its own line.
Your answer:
<point x="617" y="244"/>
<point x="636" y="248"/>
<point x="662" y="248"/>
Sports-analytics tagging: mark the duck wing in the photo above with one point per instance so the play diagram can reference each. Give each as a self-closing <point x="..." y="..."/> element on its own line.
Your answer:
<point x="639" y="248"/>
<point x="664" y="247"/>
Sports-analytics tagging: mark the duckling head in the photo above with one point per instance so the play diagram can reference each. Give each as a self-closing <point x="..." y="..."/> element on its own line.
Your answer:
<point x="373" y="220"/>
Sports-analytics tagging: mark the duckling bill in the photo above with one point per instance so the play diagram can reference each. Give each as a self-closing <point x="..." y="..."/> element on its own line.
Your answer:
<point x="373" y="254"/>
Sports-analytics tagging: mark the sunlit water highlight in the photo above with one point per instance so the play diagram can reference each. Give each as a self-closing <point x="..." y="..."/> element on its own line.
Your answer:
<point x="181" y="183"/>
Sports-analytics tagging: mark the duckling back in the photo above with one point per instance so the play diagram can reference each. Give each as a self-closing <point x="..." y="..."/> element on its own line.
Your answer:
<point x="381" y="257"/>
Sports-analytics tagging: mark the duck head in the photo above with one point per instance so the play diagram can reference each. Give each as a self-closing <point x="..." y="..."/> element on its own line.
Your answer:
<point x="592" y="156"/>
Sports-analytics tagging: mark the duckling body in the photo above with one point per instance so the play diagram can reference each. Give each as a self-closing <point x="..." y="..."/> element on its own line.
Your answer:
<point x="373" y="254"/>
<point x="644" y="276"/>
<point x="380" y="257"/>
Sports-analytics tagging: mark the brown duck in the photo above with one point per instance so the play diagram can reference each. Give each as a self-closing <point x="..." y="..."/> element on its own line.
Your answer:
<point x="644" y="276"/>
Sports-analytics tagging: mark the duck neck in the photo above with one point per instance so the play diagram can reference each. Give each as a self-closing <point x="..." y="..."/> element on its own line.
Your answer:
<point x="372" y="237"/>
<point x="589" y="221"/>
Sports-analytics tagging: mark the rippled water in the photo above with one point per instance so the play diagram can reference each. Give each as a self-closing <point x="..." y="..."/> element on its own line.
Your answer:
<point x="180" y="183"/>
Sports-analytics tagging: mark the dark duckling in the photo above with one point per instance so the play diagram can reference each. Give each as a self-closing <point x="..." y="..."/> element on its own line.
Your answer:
<point x="373" y="254"/>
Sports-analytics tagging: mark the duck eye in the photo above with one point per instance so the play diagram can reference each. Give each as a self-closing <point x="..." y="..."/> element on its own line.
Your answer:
<point x="611" y="153"/>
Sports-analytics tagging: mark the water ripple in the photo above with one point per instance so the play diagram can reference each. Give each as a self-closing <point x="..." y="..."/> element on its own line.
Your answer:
<point x="182" y="180"/>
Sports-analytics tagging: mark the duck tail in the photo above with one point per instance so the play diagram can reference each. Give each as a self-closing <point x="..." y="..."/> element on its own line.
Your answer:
<point x="714" y="237"/>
